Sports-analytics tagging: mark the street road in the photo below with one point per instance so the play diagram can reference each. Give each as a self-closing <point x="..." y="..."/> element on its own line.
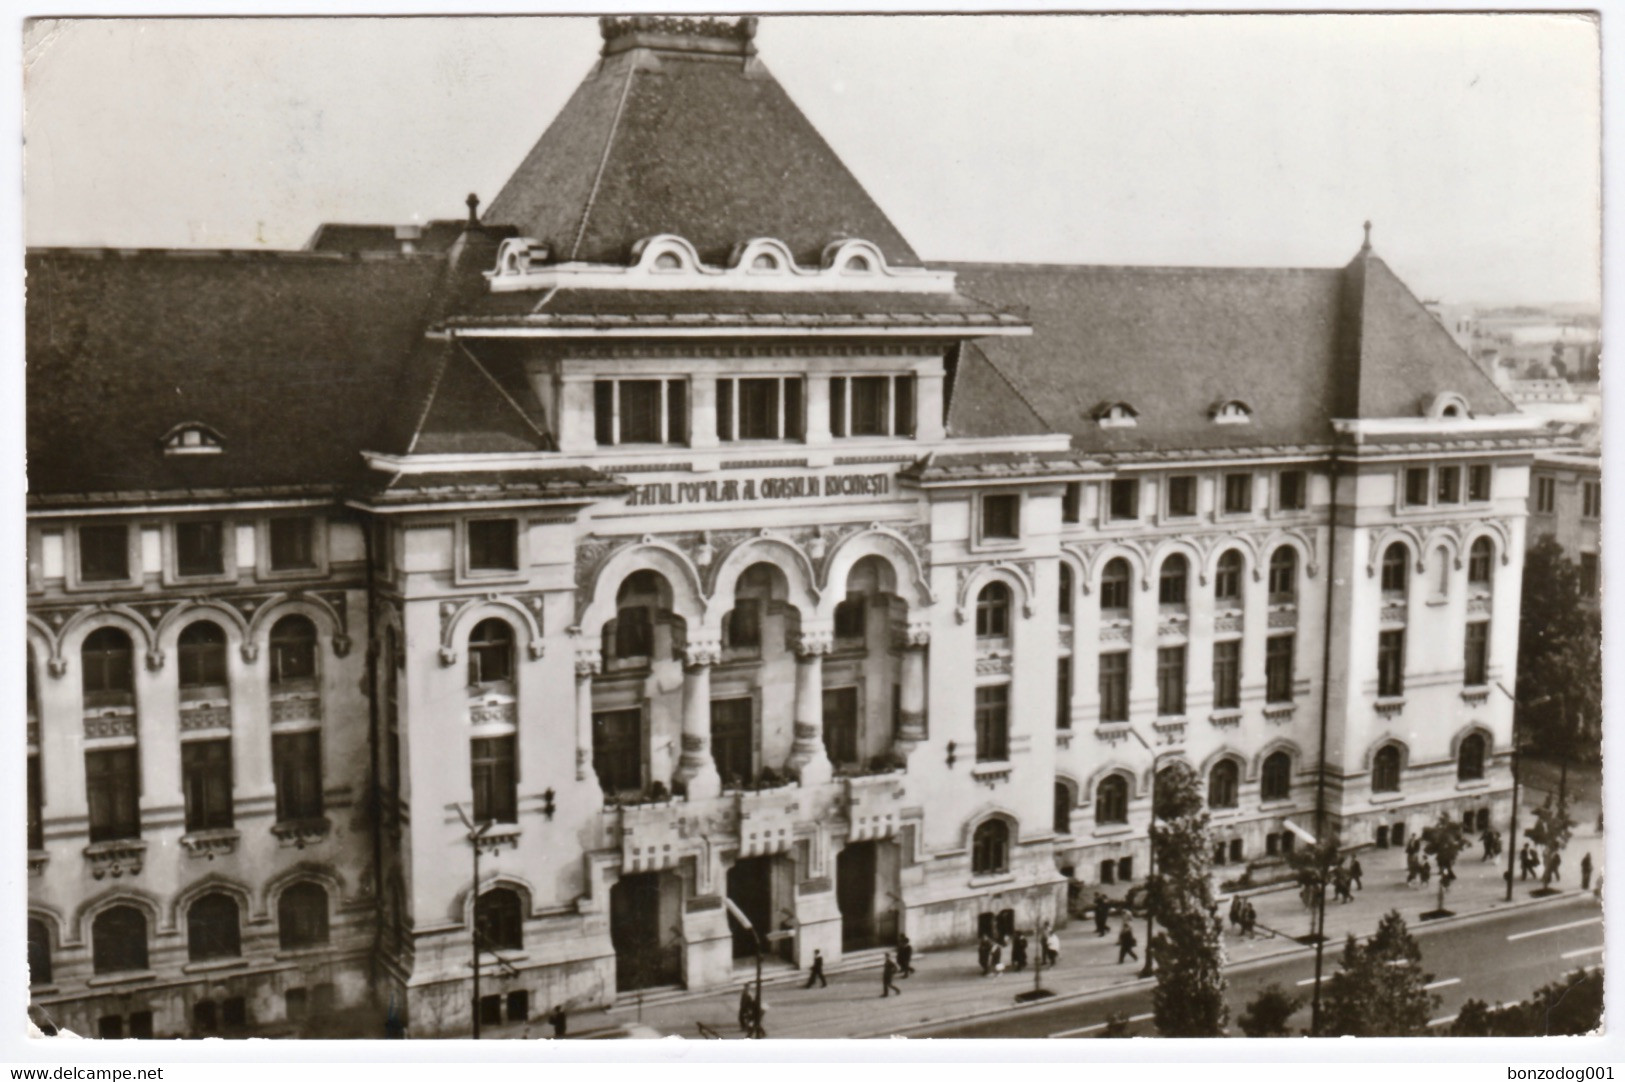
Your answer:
<point x="1496" y="959"/>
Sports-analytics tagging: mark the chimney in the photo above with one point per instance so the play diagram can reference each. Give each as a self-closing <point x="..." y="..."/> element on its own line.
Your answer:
<point x="408" y="236"/>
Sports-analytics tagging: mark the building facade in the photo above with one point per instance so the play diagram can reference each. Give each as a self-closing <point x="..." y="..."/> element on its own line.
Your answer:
<point x="678" y="531"/>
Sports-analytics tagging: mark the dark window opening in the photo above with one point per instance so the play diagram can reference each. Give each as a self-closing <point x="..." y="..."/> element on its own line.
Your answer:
<point x="1276" y="783"/>
<point x="213" y="929"/>
<point x="1292" y="490"/>
<point x="296" y="764"/>
<point x="990" y="848"/>
<point x="301" y="916"/>
<point x="1124" y="501"/>
<point x="1385" y="776"/>
<point x="1470" y="760"/>
<point x="1114" y="585"/>
<point x="495" y="780"/>
<point x="199" y="548"/>
<point x="104" y="553"/>
<point x="1478" y="483"/>
<point x="1238" y="493"/>
<point x="1477" y="660"/>
<point x="1416" y="486"/>
<point x="293" y="652"/>
<point x="118" y="940"/>
<point x="1111" y="800"/>
<point x="493" y="544"/>
<point x="206" y="784"/>
<point x="113" y="789"/>
<point x="1001" y="517"/>
<point x="1391" y="664"/>
<point x="1283" y="575"/>
<point x="1223" y="784"/>
<point x="1063" y="808"/>
<point x="1171" y="681"/>
<point x="1278" y="668"/>
<point x="490" y="655"/>
<point x="499" y="920"/>
<point x="1072" y="502"/>
<point x="617" y="750"/>
<point x="1114" y="686"/>
<point x="1181" y="497"/>
<point x="201" y="656"/>
<point x="993" y="611"/>
<point x="993" y="723"/>
<point x="293" y="544"/>
<point x="1173" y="581"/>
<point x="1227" y="674"/>
<point x="108" y="678"/>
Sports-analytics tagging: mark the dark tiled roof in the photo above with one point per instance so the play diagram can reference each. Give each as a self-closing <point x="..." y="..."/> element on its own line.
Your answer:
<point x="1175" y="342"/>
<point x="603" y="307"/>
<point x="293" y="359"/>
<point x="349" y="237"/>
<point x="710" y="148"/>
<point x="563" y="483"/>
<point x="995" y="465"/>
<point x="984" y="401"/>
<point x="470" y="409"/>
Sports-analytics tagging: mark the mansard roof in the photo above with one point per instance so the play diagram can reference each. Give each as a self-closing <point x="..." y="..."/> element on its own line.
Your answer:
<point x="681" y="129"/>
<point x="1300" y="347"/>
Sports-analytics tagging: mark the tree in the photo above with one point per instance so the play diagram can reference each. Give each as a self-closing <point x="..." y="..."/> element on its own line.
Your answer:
<point x="1189" y="998"/>
<point x="1559" y="657"/>
<point x="1379" y="991"/>
<point x="1571" y="1007"/>
<point x="1551" y="832"/>
<point x="1443" y="841"/>
<point x="1268" y="1012"/>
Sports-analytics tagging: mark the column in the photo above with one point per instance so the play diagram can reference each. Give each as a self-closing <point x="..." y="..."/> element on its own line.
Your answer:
<point x="696" y="772"/>
<point x="588" y="662"/>
<point x="808" y="757"/>
<point x="911" y="729"/>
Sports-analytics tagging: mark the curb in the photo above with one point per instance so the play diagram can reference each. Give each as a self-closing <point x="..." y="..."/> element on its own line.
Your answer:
<point x="1497" y="909"/>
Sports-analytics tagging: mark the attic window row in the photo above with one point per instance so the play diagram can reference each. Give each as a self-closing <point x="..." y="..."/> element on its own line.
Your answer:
<point x="1231" y="411"/>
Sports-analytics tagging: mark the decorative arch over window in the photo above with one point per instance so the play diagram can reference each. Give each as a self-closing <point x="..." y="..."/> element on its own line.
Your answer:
<point x="1284" y="574"/>
<point x="1470" y="757"/>
<point x="990" y="848"/>
<point x="1116" y="415"/>
<point x="1481" y="564"/>
<point x="1385" y="769"/>
<point x="1111" y="800"/>
<point x="490" y="657"/>
<point x="1224" y="784"/>
<point x="1275" y="778"/>
<point x="1173" y="580"/>
<point x="213" y="928"/>
<point x="108" y="668"/>
<point x="1231" y="411"/>
<point x="993" y="611"/>
<point x="499" y="920"/>
<point x="1227" y="578"/>
<point x="302" y="916"/>
<point x="1115" y="585"/>
<point x="118" y="939"/>
<point x="1396" y="569"/>
<point x="193" y="438"/>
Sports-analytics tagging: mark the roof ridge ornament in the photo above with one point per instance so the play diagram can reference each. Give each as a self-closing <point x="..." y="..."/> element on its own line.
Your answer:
<point x="1366" y="247"/>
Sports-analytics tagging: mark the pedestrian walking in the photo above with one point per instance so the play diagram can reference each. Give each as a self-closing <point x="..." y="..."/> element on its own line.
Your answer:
<point x="1557" y="867"/>
<point x="817" y="971"/>
<point x="1249" y="917"/>
<point x="1235" y="911"/>
<point x="888" y="974"/>
<point x="1412" y="868"/>
<point x="558" y="1020"/>
<point x="998" y="956"/>
<point x="1585" y="872"/>
<point x="1103" y="912"/>
<point x="1340" y="880"/>
<point x="984" y="953"/>
<point x="1527" y="861"/>
<point x="1355" y="872"/>
<point x="1018" y="951"/>
<point x="1425" y="868"/>
<point x="1126" y="944"/>
<point x="1052" y="946"/>
<point x="905" y="956"/>
<point x="1488" y="838"/>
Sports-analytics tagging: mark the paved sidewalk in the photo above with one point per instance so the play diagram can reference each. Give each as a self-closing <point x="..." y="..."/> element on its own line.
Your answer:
<point x="948" y="984"/>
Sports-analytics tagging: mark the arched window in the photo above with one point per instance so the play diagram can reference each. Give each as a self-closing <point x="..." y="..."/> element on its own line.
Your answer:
<point x="293" y="651"/>
<point x="1470" y="759"/>
<point x="212" y="929"/>
<point x="993" y="611"/>
<point x="1172" y="582"/>
<point x="201" y="653"/>
<point x="39" y="952"/>
<point x="630" y="636"/>
<point x="990" y="848"/>
<point x="1480" y="560"/>
<point x="1395" y="569"/>
<point x="1284" y="574"/>
<point x="1227" y="579"/>
<point x="499" y="920"/>
<point x="109" y="675"/>
<point x="118" y="940"/>
<point x="1064" y="602"/>
<point x="490" y="654"/>
<point x="301" y="916"/>
<point x="1111" y="800"/>
<point x="1385" y="770"/>
<point x="1114" y="585"/>
<point x="1062" y="822"/>
<point x="1223" y="781"/>
<point x="1276" y="782"/>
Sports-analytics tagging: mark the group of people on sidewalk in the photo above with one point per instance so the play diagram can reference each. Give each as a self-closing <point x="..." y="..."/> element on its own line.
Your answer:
<point x="991" y="950"/>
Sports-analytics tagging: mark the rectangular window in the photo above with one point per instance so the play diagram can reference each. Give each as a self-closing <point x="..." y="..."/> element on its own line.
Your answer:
<point x="113" y="789"/>
<point x="1591" y="493"/>
<point x="1171" y="681"/>
<point x="837" y="407"/>
<point x="496" y="782"/>
<point x="1477" y="661"/>
<point x="1292" y="490"/>
<point x="1238" y="493"/>
<point x="902" y="406"/>
<point x="1227" y="675"/>
<point x="761" y="408"/>
<point x="493" y="544"/>
<point x="296" y="764"/>
<point x="1278" y="668"/>
<point x="1545" y="495"/>
<point x="293" y="543"/>
<point x="1063" y="693"/>
<point x="1448" y="488"/>
<point x="632" y="411"/>
<point x="1001" y="517"/>
<point x="732" y="721"/>
<point x="1181" y="497"/>
<point x="1072" y="502"/>
<point x="1478" y="483"/>
<point x="1124" y="503"/>
<point x="1588" y="573"/>
<point x="1416" y="486"/>
<point x="1391" y="664"/>
<point x="199" y="548"/>
<point x="993" y="723"/>
<point x="1114" y="686"/>
<point x="841" y="726"/>
<point x="36" y="819"/>
<point x="206" y="784"/>
<point x="617" y="750"/>
<point x="104" y="553"/>
<point x="871" y="405"/>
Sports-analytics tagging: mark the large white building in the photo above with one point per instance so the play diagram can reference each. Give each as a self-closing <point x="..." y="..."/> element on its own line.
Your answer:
<point x="676" y="520"/>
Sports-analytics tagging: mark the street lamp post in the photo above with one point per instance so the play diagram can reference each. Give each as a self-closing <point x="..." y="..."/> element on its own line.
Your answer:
<point x="476" y="837"/>
<point x="1151" y="848"/>
<point x="1512" y="837"/>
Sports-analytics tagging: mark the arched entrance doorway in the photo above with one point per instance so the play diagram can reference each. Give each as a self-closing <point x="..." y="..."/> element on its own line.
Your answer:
<point x="866" y="892"/>
<point x="645" y="919"/>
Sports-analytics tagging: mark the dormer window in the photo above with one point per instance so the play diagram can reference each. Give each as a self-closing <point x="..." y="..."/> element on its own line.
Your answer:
<point x="193" y="438"/>
<point x="1231" y="412"/>
<point x="1447" y="406"/>
<point x="858" y="265"/>
<point x="1117" y="415"/>
<point x="668" y="261"/>
<point x="764" y="262"/>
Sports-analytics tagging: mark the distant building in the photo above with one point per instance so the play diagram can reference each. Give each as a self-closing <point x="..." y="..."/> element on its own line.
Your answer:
<point x="678" y="522"/>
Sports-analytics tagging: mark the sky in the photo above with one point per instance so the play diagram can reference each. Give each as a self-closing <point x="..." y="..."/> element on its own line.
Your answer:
<point x="1472" y="142"/>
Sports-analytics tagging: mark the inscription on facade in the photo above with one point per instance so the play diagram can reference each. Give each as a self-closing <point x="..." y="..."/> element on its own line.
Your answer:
<point x="752" y="489"/>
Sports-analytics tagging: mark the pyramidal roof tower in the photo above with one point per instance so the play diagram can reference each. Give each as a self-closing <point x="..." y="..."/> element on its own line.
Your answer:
<point x="680" y="129"/>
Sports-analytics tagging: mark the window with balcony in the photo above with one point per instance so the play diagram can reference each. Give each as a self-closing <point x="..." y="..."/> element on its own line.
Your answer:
<point x="113" y="792"/>
<point x="993" y="723"/>
<point x="206" y="784"/>
<point x="1114" y="586"/>
<point x="990" y="848"/>
<point x="733" y="723"/>
<point x="200" y="548"/>
<point x="1278" y="668"/>
<point x="493" y="544"/>
<point x="1001" y="517"/>
<point x="302" y="916"/>
<point x="640" y="411"/>
<point x="495" y="779"/>
<point x="1275" y="782"/>
<point x="296" y="767"/>
<point x="871" y="406"/>
<point x="1227" y="674"/>
<point x="1476" y="663"/>
<point x="293" y="543"/>
<point x="1291" y="490"/>
<point x="1227" y="580"/>
<point x="1182" y="497"/>
<point x="1123" y="500"/>
<point x="104" y="553"/>
<point x="213" y="928"/>
<point x="1111" y="800"/>
<point x="1238" y="493"/>
<point x="1283" y="575"/>
<point x="760" y="408"/>
<point x="1171" y="681"/>
<point x="1114" y="686"/>
<point x="1391" y="664"/>
<point x="118" y="940"/>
